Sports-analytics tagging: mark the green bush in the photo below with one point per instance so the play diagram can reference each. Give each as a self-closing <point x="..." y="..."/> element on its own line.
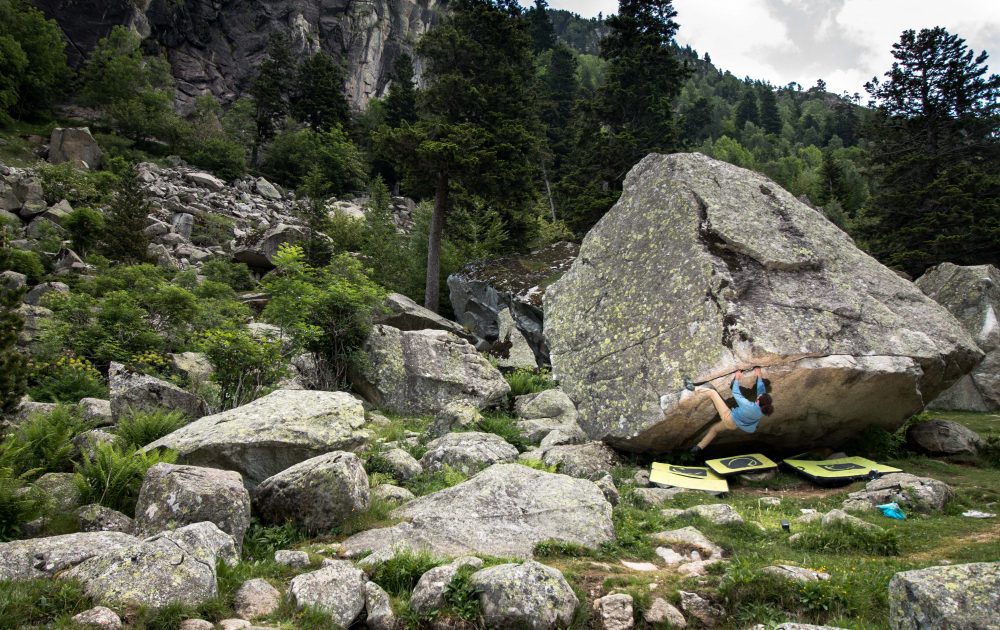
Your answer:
<point x="233" y="274"/>
<point x="461" y="597"/>
<point x="66" y="380"/>
<point x="85" y="226"/>
<point x="19" y="503"/>
<point x="841" y="537"/>
<point x="220" y="155"/>
<point x="245" y="367"/>
<point x="524" y="381"/>
<point x="211" y="230"/>
<point x="64" y="181"/>
<point x="114" y="476"/>
<point x="145" y="427"/>
<point x="506" y="427"/>
<point x="23" y="261"/>
<point x="43" y="443"/>
<point x="293" y="154"/>
<point x="428" y="482"/>
<point x="261" y="541"/>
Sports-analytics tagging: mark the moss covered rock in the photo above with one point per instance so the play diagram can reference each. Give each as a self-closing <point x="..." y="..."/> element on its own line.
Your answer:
<point x="965" y="596"/>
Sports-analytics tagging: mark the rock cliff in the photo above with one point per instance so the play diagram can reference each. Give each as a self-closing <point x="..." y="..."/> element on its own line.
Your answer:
<point x="215" y="46"/>
<point x="703" y="268"/>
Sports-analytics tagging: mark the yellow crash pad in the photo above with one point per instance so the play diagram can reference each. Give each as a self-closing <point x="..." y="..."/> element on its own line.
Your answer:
<point x="688" y="477"/>
<point x="752" y="463"/>
<point x="844" y="468"/>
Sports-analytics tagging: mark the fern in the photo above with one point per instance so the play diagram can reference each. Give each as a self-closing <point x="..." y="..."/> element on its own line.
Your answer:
<point x="114" y="476"/>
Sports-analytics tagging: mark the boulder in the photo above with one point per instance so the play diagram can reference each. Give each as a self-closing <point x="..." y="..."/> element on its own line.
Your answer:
<point x="96" y="412"/>
<point x="657" y="496"/>
<point x="38" y="558"/>
<point x="615" y="611"/>
<point x="454" y="417"/>
<point x="467" y="452"/>
<point x="403" y="313"/>
<point x="391" y="493"/>
<point x="291" y="558"/>
<point x="316" y="494"/>
<point x="550" y="404"/>
<point x="701" y="609"/>
<point x="965" y="596"/>
<point x="909" y="491"/>
<point x="401" y="464"/>
<point x="421" y="371"/>
<point x="270" y="434"/>
<point x="35" y="295"/>
<point x="12" y="280"/>
<point x="689" y="538"/>
<point x="85" y="444"/>
<point x="259" y="253"/>
<point x="796" y="574"/>
<point x="607" y="486"/>
<point x="172" y="567"/>
<point x="943" y="437"/>
<point x="173" y="496"/>
<point x="34" y="317"/>
<point x="511" y="349"/>
<point x="75" y="145"/>
<point x="97" y="518"/>
<point x="481" y="290"/>
<point x="100" y="618"/>
<point x="503" y="511"/>
<point x="592" y="460"/>
<point x="337" y="589"/>
<point x="840" y="516"/>
<point x="205" y="180"/>
<point x="718" y="513"/>
<point x="428" y="594"/>
<point x="528" y="595"/>
<point x="266" y="189"/>
<point x="135" y="391"/>
<point x="378" y="609"/>
<point x="256" y="598"/>
<point x="194" y="366"/>
<point x="61" y="491"/>
<point x="663" y="612"/>
<point x="57" y="213"/>
<point x="746" y="275"/>
<point x="972" y="295"/>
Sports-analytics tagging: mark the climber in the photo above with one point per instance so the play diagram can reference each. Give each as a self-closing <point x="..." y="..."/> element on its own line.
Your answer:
<point x="746" y="415"/>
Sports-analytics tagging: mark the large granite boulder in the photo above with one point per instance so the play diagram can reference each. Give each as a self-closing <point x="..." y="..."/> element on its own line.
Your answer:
<point x="972" y="295"/>
<point x="421" y="371"/>
<point x="529" y="595"/>
<point x="403" y="313"/>
<point x="703" y="268"/>
<point x="503" y="511"/>
<point x="965" y="596"/>
<point x="943" y="437"/>
<point x="316" y="494"/>
<point x="134" y="391"/>
<point x="337" y="589"/>
<point x="173" y="496"/>
<point x="910" y="491"/>
<point x="480" y="291"/>
<point x="75" y="145"/>
<point x="429" y="592"/>
<point x="38" y="558"/>
<point x="270" y="434"/>
<point x="258" y="253"/>
<point x="468" y="452"/>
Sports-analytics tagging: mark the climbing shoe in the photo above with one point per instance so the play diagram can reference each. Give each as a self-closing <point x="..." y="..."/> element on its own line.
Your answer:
<point x="688" y="384"/>
<point x="695" y="450"/>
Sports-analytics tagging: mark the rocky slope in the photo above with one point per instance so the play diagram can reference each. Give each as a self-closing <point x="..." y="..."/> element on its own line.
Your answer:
<point x="215" y="47"/>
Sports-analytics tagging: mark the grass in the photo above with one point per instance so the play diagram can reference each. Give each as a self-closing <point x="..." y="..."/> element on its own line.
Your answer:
<point x="428" y="482"/>
<point x="400" y="574"/>
<point x="524" y="381"/>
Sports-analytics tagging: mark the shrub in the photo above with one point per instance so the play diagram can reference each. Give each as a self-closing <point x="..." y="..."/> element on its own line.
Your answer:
<point x="66" y="380"/>
<point x="43" y="443"/>
<point x="233" y="274"/>
<point x="212" y="229"/>
<point x="428" y="482"/>
<point x="843" y="538"/>
<point x="399" y="574"/>
<point x="114" y="476"/>
<point x="506" y="427"/>
<point x="524" y="381"/>
<point x="23" y="261"/>
<point x="245" y="366"/>
<point x="293" y="154"/>
<point x="261" y="541"/>
<point x="460" y="595"/>
<point x="125" y="238"/>
<point x="220" y="155"/>
<point x="19" y="503"/>
<point x="13" y="364"/>
<point x="85" y="227"/>
<point x="145" y="427"/>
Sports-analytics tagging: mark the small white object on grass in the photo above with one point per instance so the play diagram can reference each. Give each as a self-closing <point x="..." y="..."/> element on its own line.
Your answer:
<point x="977" y="514"/>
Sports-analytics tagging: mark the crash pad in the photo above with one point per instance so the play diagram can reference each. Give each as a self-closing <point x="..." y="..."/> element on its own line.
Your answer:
<point x="688" y="477"/>
<point x="843" y="469"/>
<point x="737" y="464"/>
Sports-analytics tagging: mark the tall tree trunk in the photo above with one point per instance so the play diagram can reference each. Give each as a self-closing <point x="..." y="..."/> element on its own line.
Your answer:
<point x="548" y="191"/>
<point x="431" y="289"/>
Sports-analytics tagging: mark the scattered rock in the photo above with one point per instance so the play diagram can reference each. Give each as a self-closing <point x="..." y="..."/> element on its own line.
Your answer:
<point x="656" y="496"/>
<point x="337" y="589"/>
<point x="389" y="492"/>
<point x="75" y="145"/>
<point x="12" y="280"/>
<point x="86" y="443"/>
<point x="401" y="464"/>
<point x="97" y="518"/>
<point x="701" y="609"/>
<point x="963" y="596"/>
<point x="972" y="295"/>
<point x="173" y="496"/>
<point x="428" y="594"/>
<point x="718" y="513"/>
<point x="641" y="479"/>
<point x="550" y="404"/>
<point x="943" y="437"/>
<point x="256" y="598"/>
<point x="607" y="486"/>
<point x="378" y="609"/>
<point x="467" y="452"/>
<point x="620" y="344"/>
<point x="96" y="412"/>
<point x="194" y="366"/>
<point x="503" y="511"/>
<point x="38" y="558"/>
<point x="511" y="349"/>
<point x="134" y="391"/>
<point x="916" y="493"/>
<point x="316" y="494"/>
<point x="769" y="501"/>
<point x="196" y="624"/>
<point x="61" y="491"/>
<point x="233" y="624"/>
<point x="562" y="435"/>
<point x="669" y="556"/>
<point x="798" y="574"/>
<point x="528" y="595"/>
<point x="588" y="461"/>
<point x="270" y="434"/>
<point x="99" y="617"/>
<point x="267" y="189"/>
<point x="640" y="566"/>
<point x="697" y="568"/>
<point x="290" y="558"/>
<point x="839" y="516"/>
<point x="661" y="611"/>
<point x="206" y="180"/>
<point x="35" y="295"/>
<point x="455" y="417"/>
<point x="405" y="314"/>
<point x="259" y="253"/>
<point x="615" y="611"/>
<point x="422" y="371"/>
<point x="689" y="538"/>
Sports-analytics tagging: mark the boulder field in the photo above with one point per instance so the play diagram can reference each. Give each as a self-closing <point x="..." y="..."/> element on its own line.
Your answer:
<point x="703" y="268"/>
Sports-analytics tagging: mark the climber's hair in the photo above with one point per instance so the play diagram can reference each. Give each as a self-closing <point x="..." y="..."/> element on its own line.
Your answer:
<point x="766" y="404"/>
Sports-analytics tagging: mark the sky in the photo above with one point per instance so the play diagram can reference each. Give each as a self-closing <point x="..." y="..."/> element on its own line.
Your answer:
<point x="843" y="42"/>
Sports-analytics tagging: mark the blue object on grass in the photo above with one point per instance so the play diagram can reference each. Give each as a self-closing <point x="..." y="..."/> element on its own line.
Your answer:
<point x="892" y="511"/>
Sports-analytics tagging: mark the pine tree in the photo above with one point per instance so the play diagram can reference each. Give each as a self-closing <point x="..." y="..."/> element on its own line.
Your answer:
<point x="13" y="364"/>
<point x="560" y="90"/>
<point x="271" y="91"/>
<point x="747" y="111"/>
<point x="540" y="28"/>
<point x="125" y="239"/>
<point x="770" y="117"/>
<point x="401" y="102"/>
<point x="936" y="154"/>
<point x="317" y="97"/>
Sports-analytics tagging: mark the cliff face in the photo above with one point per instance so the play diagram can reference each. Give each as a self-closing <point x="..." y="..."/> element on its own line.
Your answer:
<point x="215" y="45"/>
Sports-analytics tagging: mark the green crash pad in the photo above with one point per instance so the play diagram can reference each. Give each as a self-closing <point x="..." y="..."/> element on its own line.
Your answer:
<point x="687" y="477"/>
<point x="737" y="464"/>
<point x="840" y="470"/>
